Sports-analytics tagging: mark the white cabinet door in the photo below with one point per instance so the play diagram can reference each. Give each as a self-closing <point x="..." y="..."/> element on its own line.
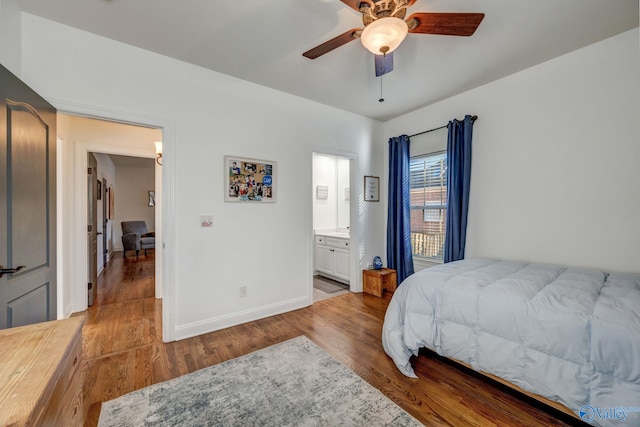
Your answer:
<point x="324" y="259"/>
<point x="341" y="263"/>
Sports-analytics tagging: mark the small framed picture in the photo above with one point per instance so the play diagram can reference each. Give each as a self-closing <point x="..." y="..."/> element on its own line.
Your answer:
<point x="371" y="189"/>
<point x="322" y="192"/>
<point x="99" y="192"/>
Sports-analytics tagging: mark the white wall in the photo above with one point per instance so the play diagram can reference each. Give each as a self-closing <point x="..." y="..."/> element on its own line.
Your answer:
<point x="10" y="35"/>
<point x="132" y="198"/>
<point x="555" y="174"/>
<point x="267" y="247"/>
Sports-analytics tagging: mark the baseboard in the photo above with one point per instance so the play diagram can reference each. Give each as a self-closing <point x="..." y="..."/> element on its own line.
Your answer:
<point x="110" y="255"/>
<point x="234" y="319"/>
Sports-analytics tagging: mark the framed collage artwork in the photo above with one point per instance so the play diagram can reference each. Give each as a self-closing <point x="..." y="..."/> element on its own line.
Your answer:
<point x="249" y="180"/>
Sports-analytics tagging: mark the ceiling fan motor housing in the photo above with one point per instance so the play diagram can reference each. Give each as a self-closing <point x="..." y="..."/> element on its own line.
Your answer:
<point x="382" y="9"/>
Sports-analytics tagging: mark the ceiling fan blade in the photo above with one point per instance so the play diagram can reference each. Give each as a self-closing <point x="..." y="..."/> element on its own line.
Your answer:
<point x="384" y="64"/>
<point x="447" y="24"/>
<point x="334" y="43"/>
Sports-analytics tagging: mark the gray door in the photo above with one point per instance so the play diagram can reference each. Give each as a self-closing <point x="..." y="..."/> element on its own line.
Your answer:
<point x="27" y="204"/>
<point x="92" y="229"/>
<point x="105" y="243"/>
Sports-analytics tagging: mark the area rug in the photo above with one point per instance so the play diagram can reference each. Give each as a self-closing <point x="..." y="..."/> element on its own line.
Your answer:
<point x="327" y="285"/>
<point x="294" y="383"/>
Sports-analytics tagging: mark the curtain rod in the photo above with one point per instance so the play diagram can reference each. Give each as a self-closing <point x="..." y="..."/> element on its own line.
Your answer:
<point x="473" y="119"/>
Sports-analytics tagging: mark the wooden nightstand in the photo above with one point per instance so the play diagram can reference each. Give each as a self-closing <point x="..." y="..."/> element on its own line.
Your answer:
<point x="374" y="282"/>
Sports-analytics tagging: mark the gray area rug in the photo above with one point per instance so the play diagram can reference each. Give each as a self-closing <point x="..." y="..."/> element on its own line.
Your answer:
<point x="327" y="285"/>
<point x="294" y="383"/>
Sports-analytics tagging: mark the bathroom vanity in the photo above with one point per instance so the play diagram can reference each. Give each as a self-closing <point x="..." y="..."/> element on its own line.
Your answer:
<point x="332" y="255"/>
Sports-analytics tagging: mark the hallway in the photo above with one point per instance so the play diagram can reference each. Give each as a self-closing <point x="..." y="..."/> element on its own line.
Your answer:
<point x="122" y="333"/>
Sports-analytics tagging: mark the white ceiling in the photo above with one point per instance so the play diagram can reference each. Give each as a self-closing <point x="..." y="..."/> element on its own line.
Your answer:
<point x="262" y="41"/>
<point x="132" y="162"/>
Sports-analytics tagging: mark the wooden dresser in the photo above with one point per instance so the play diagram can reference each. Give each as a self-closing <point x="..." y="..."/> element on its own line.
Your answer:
<point x="40" y="375"/>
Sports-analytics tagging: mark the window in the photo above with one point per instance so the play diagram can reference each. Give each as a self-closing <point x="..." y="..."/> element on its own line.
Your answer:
<point x="428" y="187"/>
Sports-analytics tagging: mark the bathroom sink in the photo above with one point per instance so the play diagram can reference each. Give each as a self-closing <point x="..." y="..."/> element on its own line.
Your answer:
<point x="340" y="235"/>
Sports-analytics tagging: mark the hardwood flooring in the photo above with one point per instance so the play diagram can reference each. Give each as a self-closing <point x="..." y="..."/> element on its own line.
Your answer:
<point x="123" y="351"/>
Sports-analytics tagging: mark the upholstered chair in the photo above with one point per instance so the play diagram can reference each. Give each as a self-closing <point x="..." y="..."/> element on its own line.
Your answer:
<point x="135" y="236"/>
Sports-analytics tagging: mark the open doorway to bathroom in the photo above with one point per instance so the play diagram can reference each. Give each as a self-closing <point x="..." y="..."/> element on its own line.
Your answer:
<point x="331" y="225"/>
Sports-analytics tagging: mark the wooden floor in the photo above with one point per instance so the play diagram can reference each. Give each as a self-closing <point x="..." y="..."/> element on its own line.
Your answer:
<point x="123" y="351"/>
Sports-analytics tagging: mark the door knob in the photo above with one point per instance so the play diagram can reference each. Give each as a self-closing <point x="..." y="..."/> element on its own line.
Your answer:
<point x="4" y="271"/>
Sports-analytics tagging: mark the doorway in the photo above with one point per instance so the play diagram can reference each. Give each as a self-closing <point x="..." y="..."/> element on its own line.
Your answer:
<point x="332" y="245"/>
<point x="92" y="228"/>
<point x="103" y="138"/>
<point x="106" y="241"/>
<point x="133" y="180"/>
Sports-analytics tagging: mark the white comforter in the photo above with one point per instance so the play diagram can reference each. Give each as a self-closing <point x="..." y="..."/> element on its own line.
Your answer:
<point x="571" y="335"/>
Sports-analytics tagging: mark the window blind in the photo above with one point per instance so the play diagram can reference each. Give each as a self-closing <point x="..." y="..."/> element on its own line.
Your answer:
<point x="428" y="188"/>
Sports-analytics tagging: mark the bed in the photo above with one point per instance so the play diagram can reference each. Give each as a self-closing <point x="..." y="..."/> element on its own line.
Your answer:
<point x="570" y="335"/>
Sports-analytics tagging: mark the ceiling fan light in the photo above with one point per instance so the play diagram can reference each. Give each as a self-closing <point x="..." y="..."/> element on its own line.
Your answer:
<point x="384" y="35"/>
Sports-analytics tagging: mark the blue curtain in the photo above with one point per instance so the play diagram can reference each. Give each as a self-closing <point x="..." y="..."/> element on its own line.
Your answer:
<point x="399" y="214"/>
<point x="459" y="180"/>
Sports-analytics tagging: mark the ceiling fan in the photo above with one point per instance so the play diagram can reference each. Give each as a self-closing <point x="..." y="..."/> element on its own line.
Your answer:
<point x="385" y="27"/>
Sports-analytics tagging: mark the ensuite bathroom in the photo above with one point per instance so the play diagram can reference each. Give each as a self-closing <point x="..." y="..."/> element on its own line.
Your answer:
<point x="331" y="217"/>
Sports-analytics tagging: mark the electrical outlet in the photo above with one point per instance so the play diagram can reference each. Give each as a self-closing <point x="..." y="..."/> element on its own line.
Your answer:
<point x="243" y="291"/>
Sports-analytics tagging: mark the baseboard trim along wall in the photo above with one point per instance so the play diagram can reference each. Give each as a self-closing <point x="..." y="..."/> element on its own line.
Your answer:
<point x="234" y="319"/>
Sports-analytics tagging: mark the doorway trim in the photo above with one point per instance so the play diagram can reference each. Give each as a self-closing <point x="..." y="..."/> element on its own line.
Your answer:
<point x="165" y="271"/>
<point x="355" y="285"/>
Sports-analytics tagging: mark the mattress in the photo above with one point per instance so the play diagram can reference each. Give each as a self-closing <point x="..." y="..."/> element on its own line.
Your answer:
<point x="571" y="335"/>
